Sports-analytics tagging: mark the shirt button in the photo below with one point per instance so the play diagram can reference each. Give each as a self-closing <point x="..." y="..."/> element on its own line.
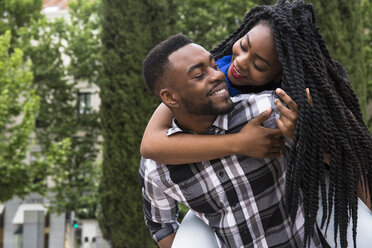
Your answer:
<point x="221" y="174"/>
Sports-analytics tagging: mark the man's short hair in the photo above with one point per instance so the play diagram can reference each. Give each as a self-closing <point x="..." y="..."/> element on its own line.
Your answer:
<point x="156" y="62"/>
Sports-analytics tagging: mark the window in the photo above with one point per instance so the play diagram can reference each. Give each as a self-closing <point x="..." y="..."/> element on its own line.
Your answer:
<point x="84" y="102"/>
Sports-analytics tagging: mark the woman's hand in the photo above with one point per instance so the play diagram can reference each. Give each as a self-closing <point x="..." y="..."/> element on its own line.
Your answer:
<point x="288" y="118"/>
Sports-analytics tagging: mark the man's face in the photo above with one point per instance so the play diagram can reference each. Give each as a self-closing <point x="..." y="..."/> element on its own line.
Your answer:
<point x="200" y="85"/>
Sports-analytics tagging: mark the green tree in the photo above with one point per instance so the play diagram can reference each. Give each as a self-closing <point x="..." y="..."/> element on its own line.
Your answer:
<point x="341" y="24"/>
<point x="58" y="122"/>
<point x="18" y="106"/>
<point x="15" y="14"/>
<point x="47" y="43"/>
<point x="130" y="28"/>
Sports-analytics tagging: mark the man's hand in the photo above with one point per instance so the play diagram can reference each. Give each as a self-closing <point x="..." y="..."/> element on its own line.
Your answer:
<point x="288" y="116"/>
<point x="256" y="141"/>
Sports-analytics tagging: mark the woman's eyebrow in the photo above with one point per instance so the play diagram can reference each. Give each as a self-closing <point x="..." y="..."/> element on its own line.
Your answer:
<point x="258" y="56"/>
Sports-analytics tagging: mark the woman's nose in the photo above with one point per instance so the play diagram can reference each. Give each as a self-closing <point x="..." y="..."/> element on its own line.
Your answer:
<point x="242" y="62"/>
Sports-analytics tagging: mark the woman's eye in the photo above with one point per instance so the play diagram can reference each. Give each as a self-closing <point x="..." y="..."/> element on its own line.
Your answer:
<point x="258" y="67"/>
<point x="215" y="67"/>
<point x="242" y="47"/>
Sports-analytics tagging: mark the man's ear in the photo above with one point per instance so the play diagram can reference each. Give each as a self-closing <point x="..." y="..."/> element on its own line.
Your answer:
<point x="169" y="97"/>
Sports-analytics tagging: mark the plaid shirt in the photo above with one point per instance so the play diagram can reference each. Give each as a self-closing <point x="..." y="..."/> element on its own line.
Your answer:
<point x="241" y="198"/>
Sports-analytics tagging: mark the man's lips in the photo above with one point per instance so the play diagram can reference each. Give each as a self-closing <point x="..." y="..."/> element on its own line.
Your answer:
<point x="235" y="72"/>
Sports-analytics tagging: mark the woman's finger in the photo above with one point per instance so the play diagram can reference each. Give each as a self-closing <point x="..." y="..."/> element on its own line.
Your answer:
<point x="309" y="98"/>
<point x="284" y="111"/>
<point x="287" y="99"/>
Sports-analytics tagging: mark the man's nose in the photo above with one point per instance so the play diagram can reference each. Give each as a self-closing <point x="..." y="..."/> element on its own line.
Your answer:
<point x="216" y="75"/>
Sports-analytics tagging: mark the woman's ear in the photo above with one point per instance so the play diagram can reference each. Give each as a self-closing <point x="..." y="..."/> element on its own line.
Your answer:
<point x="169" y="97"/>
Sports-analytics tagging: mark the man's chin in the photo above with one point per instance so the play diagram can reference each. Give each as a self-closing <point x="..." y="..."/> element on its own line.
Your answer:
<point x="226" y="109"/>
<point x="210" y="108"/>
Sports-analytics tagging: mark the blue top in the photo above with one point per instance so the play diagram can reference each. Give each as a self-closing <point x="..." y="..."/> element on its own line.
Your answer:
<point x="224" y="64"/>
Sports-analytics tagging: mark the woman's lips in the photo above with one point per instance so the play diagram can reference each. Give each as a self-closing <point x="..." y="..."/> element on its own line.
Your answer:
<point x="235" y="72"/>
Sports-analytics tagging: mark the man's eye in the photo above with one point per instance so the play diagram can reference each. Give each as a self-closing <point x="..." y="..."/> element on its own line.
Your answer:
<point x="200" y="76"/>
<point x="216" y="67"/>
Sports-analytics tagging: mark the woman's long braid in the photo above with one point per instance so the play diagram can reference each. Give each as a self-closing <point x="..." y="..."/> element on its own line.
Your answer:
<point x="333" y="126"/>
<point x="309" y="184"/>
<point x="318" y="118"/>
<point x="343" y="206"/>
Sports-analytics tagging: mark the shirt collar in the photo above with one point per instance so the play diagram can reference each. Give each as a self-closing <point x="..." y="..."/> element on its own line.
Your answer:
<point x="221" y="122"/>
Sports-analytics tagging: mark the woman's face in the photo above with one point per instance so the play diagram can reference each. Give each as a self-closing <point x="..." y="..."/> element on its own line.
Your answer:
<point x="255" y="60"/>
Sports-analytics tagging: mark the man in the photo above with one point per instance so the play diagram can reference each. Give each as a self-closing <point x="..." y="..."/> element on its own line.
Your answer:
<point x="240" y="198"/>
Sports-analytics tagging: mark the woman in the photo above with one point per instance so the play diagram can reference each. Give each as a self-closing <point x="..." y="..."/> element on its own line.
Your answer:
<point x="329" y="129"/>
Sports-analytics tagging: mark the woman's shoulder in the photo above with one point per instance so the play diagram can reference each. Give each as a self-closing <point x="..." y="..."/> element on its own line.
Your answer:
<point x="224" y="61"/>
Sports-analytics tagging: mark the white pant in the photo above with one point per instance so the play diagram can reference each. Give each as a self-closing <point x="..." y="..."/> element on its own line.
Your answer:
<point x="196" y="234"/>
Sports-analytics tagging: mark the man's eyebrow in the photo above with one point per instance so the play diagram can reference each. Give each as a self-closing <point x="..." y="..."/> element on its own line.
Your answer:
<point x="201" y="64"/>
<point x="258" y="56"/>
<point x="193" y="67"/>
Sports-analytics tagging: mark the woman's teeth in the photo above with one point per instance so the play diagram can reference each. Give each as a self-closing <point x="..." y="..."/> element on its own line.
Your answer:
<point x="218" y="92"/>
<point x="237" y="72"/>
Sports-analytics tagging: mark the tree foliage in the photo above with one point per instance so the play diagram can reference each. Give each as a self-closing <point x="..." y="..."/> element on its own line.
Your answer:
<point x="208" y="22"/>
<point x="18" y="107"/>
<point x="367" y="17"/>
<point x="15" y="14"/>
<point x="51" y="44"/>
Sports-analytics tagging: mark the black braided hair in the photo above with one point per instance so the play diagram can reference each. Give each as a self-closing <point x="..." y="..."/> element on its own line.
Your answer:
<point x="334" y="125"/>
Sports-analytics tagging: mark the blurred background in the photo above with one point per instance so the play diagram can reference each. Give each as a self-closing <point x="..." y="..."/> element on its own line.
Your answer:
<point x="73" y="106"/>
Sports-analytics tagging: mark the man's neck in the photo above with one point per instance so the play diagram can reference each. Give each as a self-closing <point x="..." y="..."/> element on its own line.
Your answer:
<point x="195" y="123"/>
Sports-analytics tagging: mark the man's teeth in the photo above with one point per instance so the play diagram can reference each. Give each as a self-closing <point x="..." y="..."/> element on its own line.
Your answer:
<point x="218" y="92"/>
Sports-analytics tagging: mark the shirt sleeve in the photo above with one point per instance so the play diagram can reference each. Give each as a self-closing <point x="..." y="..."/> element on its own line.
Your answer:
<point x="160" y="210"/>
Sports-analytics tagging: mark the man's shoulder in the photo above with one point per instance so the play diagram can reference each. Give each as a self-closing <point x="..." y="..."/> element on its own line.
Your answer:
<point x="248" y="106"/>
<point x="266" y="97"/>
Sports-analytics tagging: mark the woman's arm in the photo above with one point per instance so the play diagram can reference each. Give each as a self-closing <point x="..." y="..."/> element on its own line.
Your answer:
<point x="253" y="140"/>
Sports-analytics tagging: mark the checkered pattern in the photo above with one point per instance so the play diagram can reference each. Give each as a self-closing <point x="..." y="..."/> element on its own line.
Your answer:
<point x="239" y="197"/>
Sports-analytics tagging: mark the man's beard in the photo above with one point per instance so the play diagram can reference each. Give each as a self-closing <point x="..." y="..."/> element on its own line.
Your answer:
<point x="207" y="108"/>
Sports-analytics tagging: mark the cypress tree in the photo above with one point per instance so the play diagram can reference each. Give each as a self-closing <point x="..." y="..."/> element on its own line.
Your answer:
<point x="341" y="24"/>
<point x="130" y="28"/>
